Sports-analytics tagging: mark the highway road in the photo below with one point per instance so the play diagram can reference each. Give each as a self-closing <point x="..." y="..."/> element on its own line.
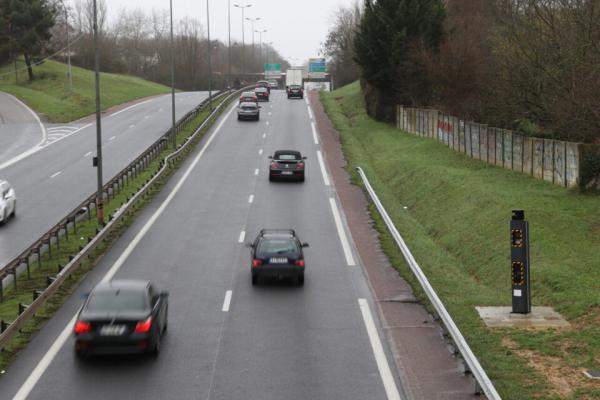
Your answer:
<point x="54" y="180"/>
<point x="228" y="339"/>
<point x="20" y="128"/>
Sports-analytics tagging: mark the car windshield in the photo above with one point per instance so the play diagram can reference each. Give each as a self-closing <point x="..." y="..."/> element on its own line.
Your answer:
<point x="117" y="301"/>
<point x="248" y="94"/>
<point x="261" y="89"/>
<point x="268" y="247"/>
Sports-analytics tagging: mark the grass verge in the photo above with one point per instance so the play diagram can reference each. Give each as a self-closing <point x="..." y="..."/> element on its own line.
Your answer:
<point x="23" y="292"/>
<point x="49" y="94"/>
<point x="456" y="222"/>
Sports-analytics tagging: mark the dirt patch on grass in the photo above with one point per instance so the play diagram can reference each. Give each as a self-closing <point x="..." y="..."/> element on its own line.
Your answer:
<point x="562" y="381"/>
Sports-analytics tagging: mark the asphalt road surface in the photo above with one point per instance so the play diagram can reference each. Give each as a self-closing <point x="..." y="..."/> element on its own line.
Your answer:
<point x="53" y="181"/>
<point x="228" y="339"/>
<point x="20" y="128"/>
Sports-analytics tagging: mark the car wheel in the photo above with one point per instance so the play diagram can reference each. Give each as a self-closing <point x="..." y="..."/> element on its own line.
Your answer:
<point x="254" y="279"/>
<point x="302" y="178"/>
<point x="156" y="350"/>
<point x="300" y="279"/>
<point x="239" y="119"/>
<point x="166" y="320"/>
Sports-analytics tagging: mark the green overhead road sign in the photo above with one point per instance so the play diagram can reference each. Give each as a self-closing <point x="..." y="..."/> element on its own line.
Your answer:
<point x="273" y="68"/>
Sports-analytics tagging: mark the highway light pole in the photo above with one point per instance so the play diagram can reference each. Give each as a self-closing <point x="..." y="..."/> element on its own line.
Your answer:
<point x="173" y="136"/>
<point x="209" y="57"/>
<point x="252" y="20"/>
<point x="229" y="43"/>
<point x="260" y="49"/>
<point x="99" y="195"/>
<point x="243" y="7"/>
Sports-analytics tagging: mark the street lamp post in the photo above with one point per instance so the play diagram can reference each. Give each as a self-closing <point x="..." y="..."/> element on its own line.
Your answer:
<point x="99" y="194"/>
<point x="260" y="49"/>
<point x="173" y="135"/>
<point x="229" y="43"/>
<point x="243" y="7"/>
<point x="209" y="57"/>
<point x="252" y="20"/>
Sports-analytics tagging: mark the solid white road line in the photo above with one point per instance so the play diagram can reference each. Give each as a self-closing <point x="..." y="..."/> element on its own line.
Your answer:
<point x="341" y="232"/>
<point x="380" y="358"/>
<point x="89" y="153"/>
<point x="251" y="198"/>
<point x="256" y="171"/>
<point x="44" y="363"/>
<point x="310" y="114"/>
<point x="35" y="116"/>
<point x="227" y="301"/>
<point x="306" y="100"/>
<point x="323" y="170"/>
<point x="260" y="151"/>
<point x="54" y="175"/>
<point x="133" y="106"/>
<point x="314" y="132"/>
<point x="242" y="237"/>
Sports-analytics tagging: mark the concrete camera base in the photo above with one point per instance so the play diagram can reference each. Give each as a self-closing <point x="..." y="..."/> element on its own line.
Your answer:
<point x="539" y="318"/>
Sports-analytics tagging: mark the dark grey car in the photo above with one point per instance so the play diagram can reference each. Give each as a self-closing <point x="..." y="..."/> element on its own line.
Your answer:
<point x="248" y="110"/>
<point x="287" y="165"/>
<point x="121" y="317"/>
<point x="277" y="253"/>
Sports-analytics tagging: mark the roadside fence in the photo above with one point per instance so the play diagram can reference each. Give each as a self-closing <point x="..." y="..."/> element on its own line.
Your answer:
<point x="554" y="161"/>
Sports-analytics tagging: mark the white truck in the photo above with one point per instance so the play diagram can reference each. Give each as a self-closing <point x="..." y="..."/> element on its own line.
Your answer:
<point x="293" y="76"/>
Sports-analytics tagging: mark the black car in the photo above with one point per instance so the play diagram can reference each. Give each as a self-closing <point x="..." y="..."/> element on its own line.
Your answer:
<point x="295" y="91"/>
<point x="262" y="93"/>
<point x="287" y="164"/>
<point x="121" y="317"/>
<point x="277" y="253"/>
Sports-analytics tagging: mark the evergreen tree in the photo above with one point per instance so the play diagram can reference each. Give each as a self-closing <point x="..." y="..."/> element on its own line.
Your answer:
<point x="389" y="44"/>
<point x="27" y="24"/>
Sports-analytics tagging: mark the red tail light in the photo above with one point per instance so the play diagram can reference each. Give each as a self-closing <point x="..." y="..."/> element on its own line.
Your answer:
<point x="274" y="164"/>
<point x="300" y="165"/>
<point x="144" y="326"/>
<point x="299" y="263"/>
<point x="256" y="263"/>
<point x="82" y="327"/>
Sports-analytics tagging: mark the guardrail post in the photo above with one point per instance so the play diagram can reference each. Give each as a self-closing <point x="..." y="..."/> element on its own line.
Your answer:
<point x="36" y="293"/>
<point x="49" y="280"/>
<point x="49" y="247"/>
<point x="22" y="308"/>
<point x="1" y="291"/>
<point x="3" y="325"/>
<point x="14" y="274"/>
<point x="67" y="230"/>
<point x="57" y="240"/>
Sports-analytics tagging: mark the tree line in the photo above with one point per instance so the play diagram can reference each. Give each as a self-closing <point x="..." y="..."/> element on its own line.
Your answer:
<point x="528" y="65"/>
<point x="137" y="43"/>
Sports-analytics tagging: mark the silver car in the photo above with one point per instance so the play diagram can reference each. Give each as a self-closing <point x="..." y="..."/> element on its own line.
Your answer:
<point x="8" y="202"/>
<point x="248" y="110"/>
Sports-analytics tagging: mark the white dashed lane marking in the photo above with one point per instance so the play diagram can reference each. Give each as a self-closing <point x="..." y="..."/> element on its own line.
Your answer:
<point x="242" y="237"/>
<point x="54" y="175"/>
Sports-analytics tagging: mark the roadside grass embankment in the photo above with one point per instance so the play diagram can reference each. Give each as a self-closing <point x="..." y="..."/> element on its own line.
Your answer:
<point x="49" y="94"/>
<point x="87" y="229"/>
<point x="454" y="214"/>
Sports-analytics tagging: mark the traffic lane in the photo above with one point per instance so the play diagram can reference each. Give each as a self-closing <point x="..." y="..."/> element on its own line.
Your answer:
<point x="195" y="264"/>
<point x="19" y="128"/>
<point x="285" y="341"/>
<point x="50" y="183"/>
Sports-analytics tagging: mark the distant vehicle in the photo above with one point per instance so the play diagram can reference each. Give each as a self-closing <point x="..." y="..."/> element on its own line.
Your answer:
<point x="248" y="110"/>
<point x="287" y="164"/>
<point x="293" y="76"/>
<point x="262" y="93"/>
<point x="122" y="317"/>
<point x="264" y="84"/>
<point x="295" y="91"/>
<point x="248" y="96"/>
<point x="277" y="253"/>
<point x="8" y="202"/>
<point x="273" y="84"/>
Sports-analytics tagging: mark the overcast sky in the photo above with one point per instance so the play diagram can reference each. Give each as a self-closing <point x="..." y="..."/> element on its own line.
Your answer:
<point x="296" y="27"/>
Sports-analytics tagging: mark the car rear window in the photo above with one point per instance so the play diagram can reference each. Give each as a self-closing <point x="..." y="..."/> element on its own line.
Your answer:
<point x="117" y="301"/>
<point x="249" y="107"/>
<point x="268" y="247"/>
<point x="287" y="157"/>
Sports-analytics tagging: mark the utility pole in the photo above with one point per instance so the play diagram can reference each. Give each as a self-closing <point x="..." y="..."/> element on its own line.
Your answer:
<point x="243" y="7"/>
<point x="173" y="135"/>
<point x="99" y="195"/>
<point x="209" y="57"/>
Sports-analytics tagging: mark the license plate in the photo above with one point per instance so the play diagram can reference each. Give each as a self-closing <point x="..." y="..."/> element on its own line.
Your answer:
<point x="279" y="260"/>
<point x="286" y="172"/>
<point x="112" y="330"/>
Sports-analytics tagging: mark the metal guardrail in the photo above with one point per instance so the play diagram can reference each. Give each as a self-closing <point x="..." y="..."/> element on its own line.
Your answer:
<point x="34" y="251"/>
<point x="478" y="372"/>
<point x="28" y="311"/>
